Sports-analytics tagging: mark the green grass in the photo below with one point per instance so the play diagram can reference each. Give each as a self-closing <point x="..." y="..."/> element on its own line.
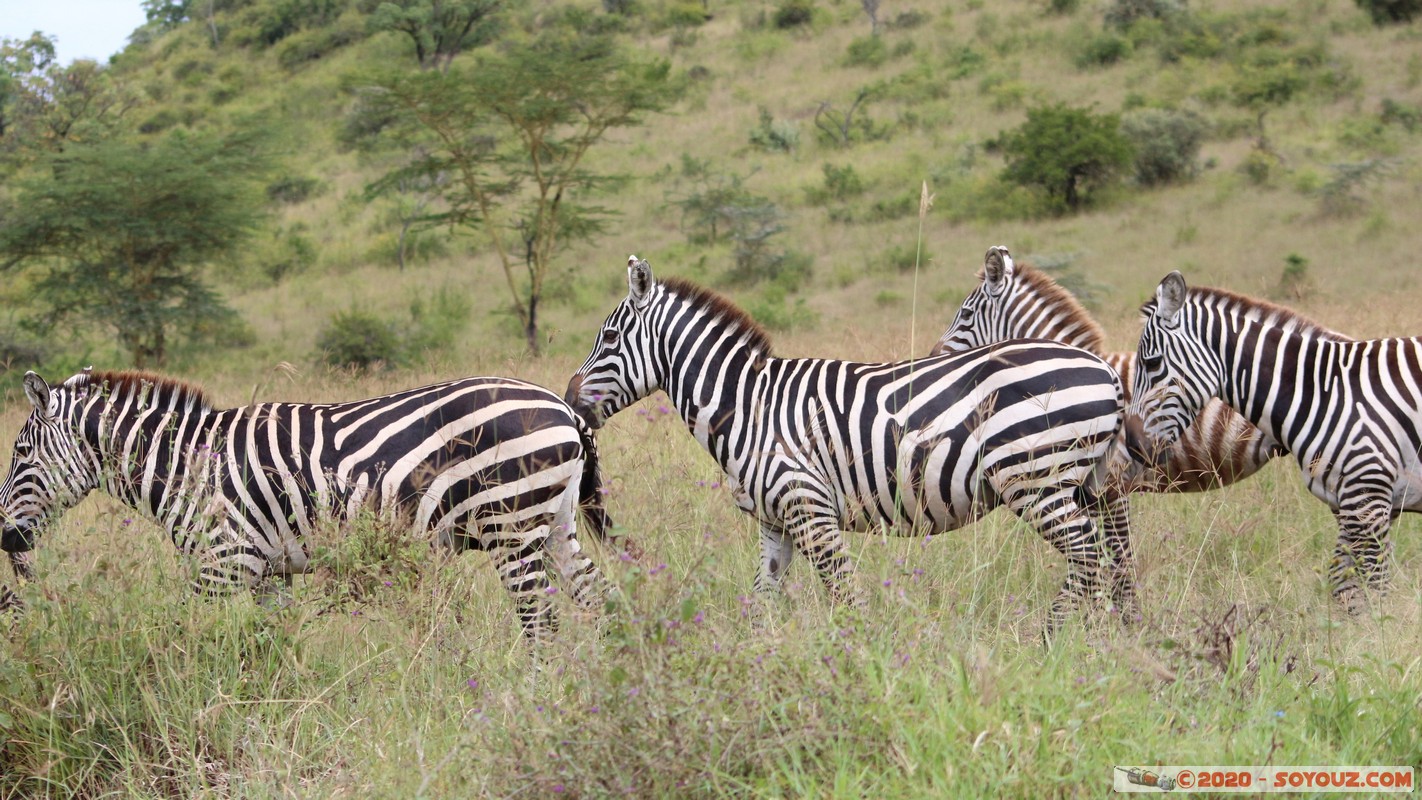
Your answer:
<point x="118" y="682"/>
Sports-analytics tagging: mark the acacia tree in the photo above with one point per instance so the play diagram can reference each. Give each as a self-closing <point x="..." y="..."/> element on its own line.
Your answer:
<point x="507" y="137"/>
<point x="439" y="29"/>
<point x="117" y="234"/>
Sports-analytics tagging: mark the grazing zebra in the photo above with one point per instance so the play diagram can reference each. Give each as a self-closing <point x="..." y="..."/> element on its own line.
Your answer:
<point x="812" y="447"/>
<point x="1019" y="302"/>
<point x="491" y="464"/>
<point x="1349" y="411"/>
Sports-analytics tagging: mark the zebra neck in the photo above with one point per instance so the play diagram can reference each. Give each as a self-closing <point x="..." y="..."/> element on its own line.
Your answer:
<point x="150" y="446"/>
<point x="711" y="388"/>
<point x="1271" y="372"/>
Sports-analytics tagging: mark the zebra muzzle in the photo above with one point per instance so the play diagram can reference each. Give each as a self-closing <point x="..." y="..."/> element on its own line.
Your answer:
<point x="1140" y="445"/>
<point x="17" y="538"/>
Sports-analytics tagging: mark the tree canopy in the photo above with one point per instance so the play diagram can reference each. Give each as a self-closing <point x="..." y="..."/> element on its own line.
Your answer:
<point x="1068" y="153"/>
<point x="502" y="142"/>
<point x="116" y="234"/>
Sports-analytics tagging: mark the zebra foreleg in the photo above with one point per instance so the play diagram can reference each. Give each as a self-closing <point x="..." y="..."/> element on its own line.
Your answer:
<point x="24" y="565"/>
<point x="776" y="551"/>
<point x="817" y="535"/>
<point x="1114" y="520"/>
<point x="578" y="572"/>
<point x="1363" y="549"/>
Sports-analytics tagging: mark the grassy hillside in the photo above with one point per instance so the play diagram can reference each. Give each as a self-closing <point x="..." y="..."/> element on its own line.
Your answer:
<point x="398" y="674"/>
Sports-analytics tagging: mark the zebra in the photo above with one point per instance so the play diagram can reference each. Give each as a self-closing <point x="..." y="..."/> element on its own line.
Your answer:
<point x="1349" y="410"/>
<point x="1015" y="301"/>
<point x="485" y="463"/>
<point x="813" y="446"/>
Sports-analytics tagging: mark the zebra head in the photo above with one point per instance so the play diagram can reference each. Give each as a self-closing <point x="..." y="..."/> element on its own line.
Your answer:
<point x="620" y="369"/>
<point x="1176" y="374"/>
<point x="985" y="316"/>
<point x="51" y="466"/>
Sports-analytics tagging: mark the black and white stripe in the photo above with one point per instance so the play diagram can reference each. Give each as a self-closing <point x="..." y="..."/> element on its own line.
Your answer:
<point x="1349" y="411"/>
<point x="814" y="446"/>
<point x="492" y="464"/>
<point x="1016" y="301"/>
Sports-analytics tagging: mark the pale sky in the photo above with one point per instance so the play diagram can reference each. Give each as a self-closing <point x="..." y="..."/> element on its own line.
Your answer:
<point x="82" y="28"/>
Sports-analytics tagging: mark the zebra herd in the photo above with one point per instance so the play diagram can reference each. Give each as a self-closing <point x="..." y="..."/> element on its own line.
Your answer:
<point x="1015" y="407"/>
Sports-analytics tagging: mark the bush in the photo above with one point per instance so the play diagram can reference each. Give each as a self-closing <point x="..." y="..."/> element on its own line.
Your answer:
<point x="358" y="339"/>
<point x="294" y="189"/>
<point x="1122" y="14"/>
<point x="793" y="14"/>
<point x="868" y="51"/>
<point x="840" y="183"/>
<point x="1103" y="50"/>
<point x="774" y="134"/>
<point x="1067" y="153"/>
<point x="290" y="252"/>
<point x="774" y="310"/>
<point x="1391" y="12"/>
<point x="1167" y="144"/>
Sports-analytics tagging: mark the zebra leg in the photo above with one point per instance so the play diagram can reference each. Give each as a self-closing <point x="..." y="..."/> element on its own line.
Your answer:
<point x="580" y="575"/>
<point x="521" y="570"/>
<point x="776" y="551"/>
<point x="1114" y="515"/>
<point x="24" y="565"/>
<point x="1065" y="526"/>
<point x="818" y="536"/>
<point x="229" y="564"/>
<point x="1363" y="549"/>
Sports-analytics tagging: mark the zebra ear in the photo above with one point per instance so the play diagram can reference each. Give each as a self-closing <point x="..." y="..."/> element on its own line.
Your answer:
<point x="997" y="269"/>
<point x="639" y="281"/>
<point x="38" y="391"/>
<point x="1170" y="296"/>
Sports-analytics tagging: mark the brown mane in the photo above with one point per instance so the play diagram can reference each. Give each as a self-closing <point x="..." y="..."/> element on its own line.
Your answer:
<point x="1271" y="314"/>
<point x="1092" y="336"/>
<point x="123" y="381"/>
<point x="722" y="309"/>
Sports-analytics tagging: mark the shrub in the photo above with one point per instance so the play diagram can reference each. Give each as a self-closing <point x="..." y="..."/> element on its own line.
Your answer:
<point x="359" y="340"/>
<point x="867" y="51"/>
<point x="1103" y="50"/>
<point x="1122" y="14"/>
<point x="840" y="183"/>
<point x="1295" y="285"/>
<point x="1391" y="12"/>
<point x="294" y="189"/>
<point x="774" y="309"/>
<point x="1166" y="143"/>
<point x="1395" y="113"/>
<point x="1067" y="153"/>
<point x="775" y="134"/>
<point x="290" y="252"/>
<point x="793" y="14"/>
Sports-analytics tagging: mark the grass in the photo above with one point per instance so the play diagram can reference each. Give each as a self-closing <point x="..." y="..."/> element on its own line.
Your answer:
<point x="117" y="682"/>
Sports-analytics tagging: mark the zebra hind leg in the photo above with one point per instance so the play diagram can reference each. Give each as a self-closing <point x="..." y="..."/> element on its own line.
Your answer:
<point x="1360" y="559"/>
<point x="519" y="562"/>
<point x="1066" y="526"/>
<point x="583" y="580"/>
<point x="817" y="535"/>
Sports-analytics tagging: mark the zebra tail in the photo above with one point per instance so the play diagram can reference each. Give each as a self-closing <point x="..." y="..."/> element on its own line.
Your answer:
<point x="591" y="497"/>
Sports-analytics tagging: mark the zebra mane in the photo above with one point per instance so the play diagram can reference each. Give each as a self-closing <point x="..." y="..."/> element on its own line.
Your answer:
<point x="1271" y="314"/>
<point x="722" y="309"/>
<point x="1088" y="333"/>
<point x="121" y="382"/>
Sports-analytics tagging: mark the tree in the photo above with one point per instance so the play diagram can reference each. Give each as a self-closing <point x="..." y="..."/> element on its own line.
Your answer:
<point x="51" y="106"/>
<point x="117" y="233"/>
<point x="1068" y="153"/>
<point x="21" y="62"/>
<point x="507" y="136"/>
<point x="439" y="29"/>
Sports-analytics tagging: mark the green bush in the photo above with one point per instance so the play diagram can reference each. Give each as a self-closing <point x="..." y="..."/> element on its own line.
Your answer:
<point x="840" y="183"/>
<point x="294" y="189"/>
<point x="1391" y="12"/>
<point x="358" y="339"/>
<point x="1103" y="50"/>
<point x="775" y="135"/>
<point x="867" y="51"/>
<point x="793" y="14"/>
<point x="1122" y="14"/>
<point x="1166" y="143"/>
<point x="1069" y="154"/>
<point x="774" y="310"/>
